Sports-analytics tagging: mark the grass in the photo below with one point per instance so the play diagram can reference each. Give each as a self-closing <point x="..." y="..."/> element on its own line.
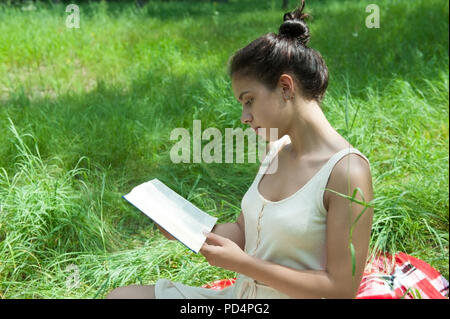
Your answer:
<point x="85" y="115"/>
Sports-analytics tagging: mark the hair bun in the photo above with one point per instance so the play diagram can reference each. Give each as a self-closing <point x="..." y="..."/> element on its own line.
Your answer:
<point x="294" y="25"/>
<point x="295" y="29"/>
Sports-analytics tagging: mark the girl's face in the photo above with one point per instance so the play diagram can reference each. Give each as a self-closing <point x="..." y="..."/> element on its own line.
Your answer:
<point x="261" y="108"/>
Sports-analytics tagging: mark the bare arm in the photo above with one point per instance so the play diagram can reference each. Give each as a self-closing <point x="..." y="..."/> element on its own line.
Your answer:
<point x="233" y="231"/>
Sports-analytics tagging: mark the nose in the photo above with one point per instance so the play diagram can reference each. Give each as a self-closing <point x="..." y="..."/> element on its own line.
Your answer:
<point x="246" y="117"/>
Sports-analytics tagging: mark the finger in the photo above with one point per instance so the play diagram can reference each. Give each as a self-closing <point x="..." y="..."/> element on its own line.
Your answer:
<point x="216" y="239"/>
<point x="208" y="249"/>
<point x="205" y="249"/>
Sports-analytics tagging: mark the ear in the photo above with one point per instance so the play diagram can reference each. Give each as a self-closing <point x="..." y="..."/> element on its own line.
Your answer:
<point x="286" y="83"/>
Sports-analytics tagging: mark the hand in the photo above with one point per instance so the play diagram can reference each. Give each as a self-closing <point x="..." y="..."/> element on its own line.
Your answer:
<point x="223" y="252"/>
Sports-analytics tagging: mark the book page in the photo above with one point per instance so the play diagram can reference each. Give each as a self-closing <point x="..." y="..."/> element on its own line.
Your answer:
<point x="174" y="213"/>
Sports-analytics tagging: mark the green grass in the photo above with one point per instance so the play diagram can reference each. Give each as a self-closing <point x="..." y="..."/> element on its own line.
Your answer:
<point x="86" y="114"/>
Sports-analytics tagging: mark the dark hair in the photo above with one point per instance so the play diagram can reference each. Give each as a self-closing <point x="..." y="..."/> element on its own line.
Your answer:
<point x="271" y="55"/>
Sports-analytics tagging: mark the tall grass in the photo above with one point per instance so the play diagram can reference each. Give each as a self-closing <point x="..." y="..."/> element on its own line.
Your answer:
<point x="86" y="114"/>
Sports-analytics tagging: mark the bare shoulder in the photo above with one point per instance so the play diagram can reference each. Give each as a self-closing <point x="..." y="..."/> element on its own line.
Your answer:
<point x="354" y="171"/>
<point x="352" y="165"/>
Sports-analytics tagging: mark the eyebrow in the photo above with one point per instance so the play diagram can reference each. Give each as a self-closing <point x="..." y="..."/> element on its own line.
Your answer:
<point x="240" y="96"/>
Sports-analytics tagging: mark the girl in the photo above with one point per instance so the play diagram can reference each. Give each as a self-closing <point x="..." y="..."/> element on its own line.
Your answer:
<point x="291" y="239"/>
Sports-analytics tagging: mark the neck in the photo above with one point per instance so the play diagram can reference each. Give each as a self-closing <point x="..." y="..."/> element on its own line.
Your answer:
<point x="310" y="130"/>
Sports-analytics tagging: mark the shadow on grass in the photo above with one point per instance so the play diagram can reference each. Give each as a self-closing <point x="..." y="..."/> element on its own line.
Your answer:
<point x="98" y="124"/>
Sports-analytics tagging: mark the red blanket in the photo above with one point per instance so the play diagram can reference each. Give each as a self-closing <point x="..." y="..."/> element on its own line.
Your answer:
<point x="387" y="277"/>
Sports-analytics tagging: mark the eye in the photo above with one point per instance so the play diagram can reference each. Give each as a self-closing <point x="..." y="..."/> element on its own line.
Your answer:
<point x="249" y="102"/>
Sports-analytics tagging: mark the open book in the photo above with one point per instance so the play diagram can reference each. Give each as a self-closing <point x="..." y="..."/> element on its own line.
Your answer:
<point x="175" y="214"/>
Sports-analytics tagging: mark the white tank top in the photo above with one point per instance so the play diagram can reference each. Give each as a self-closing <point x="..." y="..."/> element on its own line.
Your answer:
<point x="289" y="232"/>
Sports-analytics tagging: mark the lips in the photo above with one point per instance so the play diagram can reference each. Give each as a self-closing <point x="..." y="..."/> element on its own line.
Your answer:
<point x="256" y="129"/>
